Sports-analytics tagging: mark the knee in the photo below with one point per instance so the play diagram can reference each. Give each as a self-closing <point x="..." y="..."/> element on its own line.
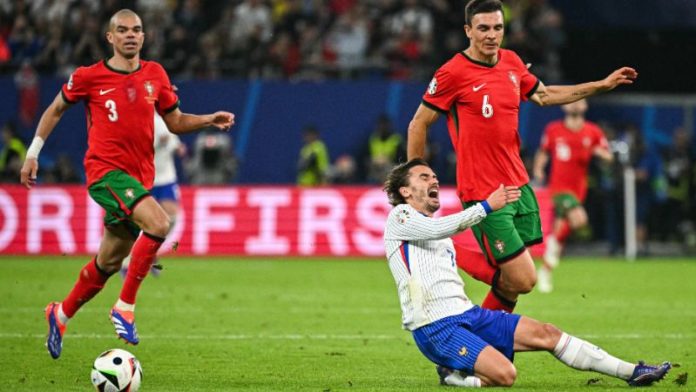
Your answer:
<point x="522" y="284"/>
<point x="506" y="376"/>
<point x="159" y="226"/>
<point x="110" y="264"/>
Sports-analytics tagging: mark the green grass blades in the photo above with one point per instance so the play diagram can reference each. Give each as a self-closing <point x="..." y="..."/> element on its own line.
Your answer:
<point x="219" y="324"/>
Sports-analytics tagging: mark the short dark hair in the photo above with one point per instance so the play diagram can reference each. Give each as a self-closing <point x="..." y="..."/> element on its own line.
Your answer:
<point x="398" y="177"/>
<point x="481" y="7"/>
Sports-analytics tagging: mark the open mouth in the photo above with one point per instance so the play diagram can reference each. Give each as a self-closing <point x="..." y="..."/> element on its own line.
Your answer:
<point x="434" y="193"/>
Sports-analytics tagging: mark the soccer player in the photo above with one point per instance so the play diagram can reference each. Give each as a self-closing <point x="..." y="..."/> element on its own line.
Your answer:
<point x="480" y="90"/>
<point x="165" y="188"/>
<point x="472" y="346"/>
<point x="570" y="144"/>
<point x="121" y="95"/>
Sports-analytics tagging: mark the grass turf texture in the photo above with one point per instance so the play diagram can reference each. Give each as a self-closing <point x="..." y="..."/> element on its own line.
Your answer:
<point x="326" y="325"/>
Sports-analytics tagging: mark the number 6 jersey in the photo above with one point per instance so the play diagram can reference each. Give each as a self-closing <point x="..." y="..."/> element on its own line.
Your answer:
<point x="120" y="108"/>
<point x="482" y="102"/>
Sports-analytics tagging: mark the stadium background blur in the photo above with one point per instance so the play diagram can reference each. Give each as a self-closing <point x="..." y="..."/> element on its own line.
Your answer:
<point x="339" y="65"/>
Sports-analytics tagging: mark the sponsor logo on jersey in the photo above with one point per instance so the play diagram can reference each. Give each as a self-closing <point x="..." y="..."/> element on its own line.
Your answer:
<point x="432" y="87"/>
<point x="129" y="193"/>
<point x="479" y="87"/>
<point x="463" y="351"/>
<point x="500" y="246"/>
<point x="108" y="90"/>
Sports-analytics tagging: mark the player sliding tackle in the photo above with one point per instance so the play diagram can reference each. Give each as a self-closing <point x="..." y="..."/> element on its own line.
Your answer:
<point x="472" y="346"/>
<point x="121" y="96"/>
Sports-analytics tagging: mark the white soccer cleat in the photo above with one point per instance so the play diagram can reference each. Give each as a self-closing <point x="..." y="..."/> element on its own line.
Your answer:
<point x="552" y="254"/>
<point x="544" y="281"/>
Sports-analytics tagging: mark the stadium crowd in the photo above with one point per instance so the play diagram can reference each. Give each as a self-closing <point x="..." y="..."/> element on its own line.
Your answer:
<point x="293" y="39"/>
<point x="329" y="39"/>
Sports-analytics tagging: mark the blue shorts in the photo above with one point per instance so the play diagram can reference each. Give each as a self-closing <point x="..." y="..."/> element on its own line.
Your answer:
<point x="166" y="192"/>
<point x="456" y="341"/>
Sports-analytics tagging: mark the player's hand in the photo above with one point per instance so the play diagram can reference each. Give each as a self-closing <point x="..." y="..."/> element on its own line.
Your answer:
<point x="503" y="196"/>
<point x="27" y="176"/>
<point x="222" y="120"/>
<point x="624" y="75"/>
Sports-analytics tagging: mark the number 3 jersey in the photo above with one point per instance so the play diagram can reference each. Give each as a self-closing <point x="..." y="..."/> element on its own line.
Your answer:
<point x="571" y="152"/>
<point x="120" y="110"/>
<point x="482" y="103"/>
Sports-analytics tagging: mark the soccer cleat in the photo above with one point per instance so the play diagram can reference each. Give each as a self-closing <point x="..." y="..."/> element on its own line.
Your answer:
<point x="645" y="375"/>
<point x="552" y="254"/>
<point x="54" y="341"/>
<point x="443" y="372"/>
<point x="124" y="323"/>
<point x="544" y="281"/>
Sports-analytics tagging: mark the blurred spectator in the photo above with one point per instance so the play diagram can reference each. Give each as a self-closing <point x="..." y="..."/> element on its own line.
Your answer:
<point x="213" y="161"/>
<point x="385" y="149"/>
<point x="343" y="171"/>
<point x="27" y="82"/>
<point x="313" y="163"/>
<point x="680" y="169"/>
<point x="12" y="154"/>
<point x="63" y="171"/>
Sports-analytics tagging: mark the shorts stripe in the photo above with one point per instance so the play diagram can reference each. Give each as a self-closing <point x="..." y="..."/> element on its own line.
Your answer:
<point x="121" y="204"/>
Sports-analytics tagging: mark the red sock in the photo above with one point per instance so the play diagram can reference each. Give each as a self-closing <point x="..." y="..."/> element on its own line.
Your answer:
<point x="563" y="233"/>
<point x="89" y="283"/>
<point x="142" y="256"/>
<point x="494" y="301"/>
<point x="475" y="264"/>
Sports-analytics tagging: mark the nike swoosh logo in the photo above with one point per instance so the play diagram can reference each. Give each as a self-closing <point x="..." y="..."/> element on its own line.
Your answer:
<point x="102" y="92"/>
<point x="477" y="88"/>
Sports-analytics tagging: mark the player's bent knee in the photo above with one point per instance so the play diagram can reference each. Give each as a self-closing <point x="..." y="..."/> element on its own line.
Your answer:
<point x="506" y="376"/>
<point x="523" y="284"/>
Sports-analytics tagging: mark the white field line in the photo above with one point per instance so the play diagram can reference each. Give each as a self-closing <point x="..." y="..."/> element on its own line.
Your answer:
<point x="16" y="335"/>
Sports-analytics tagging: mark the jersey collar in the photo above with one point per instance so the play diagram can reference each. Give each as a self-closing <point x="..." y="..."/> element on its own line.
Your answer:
<point x="481" y="63"/>
<point x="112" y="69"/>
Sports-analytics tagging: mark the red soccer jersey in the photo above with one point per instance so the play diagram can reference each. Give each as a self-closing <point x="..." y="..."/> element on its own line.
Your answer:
<point x="482" y="104"/>
<point x="571" y="152"/>
<point x="120" y="116"/>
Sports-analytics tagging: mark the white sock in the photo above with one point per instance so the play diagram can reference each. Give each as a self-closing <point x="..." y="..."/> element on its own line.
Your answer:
<point x="62" y="317"/>
<point x="552" y="253"/>
<point x="458" y="379"/>
<point x="583" y="355"/>
<point x="124" y="306"/>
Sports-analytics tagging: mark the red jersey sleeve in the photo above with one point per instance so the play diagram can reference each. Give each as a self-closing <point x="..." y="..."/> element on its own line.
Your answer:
<point x="77" y="86"/>
<point x="599" y="139"/>
<point x="167" y="100"/>
<point x="528" y="82"/>
<point x="442" y="91"/>
<point x="546" y="139"/>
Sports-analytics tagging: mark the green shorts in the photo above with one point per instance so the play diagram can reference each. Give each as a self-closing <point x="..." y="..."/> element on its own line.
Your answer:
<point x="505" y="233"/>
<point x="564" y="202"/>
<point x="118" y="193"/>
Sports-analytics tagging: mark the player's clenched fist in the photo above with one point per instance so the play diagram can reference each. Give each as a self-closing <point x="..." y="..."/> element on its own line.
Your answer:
<point x="27" y="175"/>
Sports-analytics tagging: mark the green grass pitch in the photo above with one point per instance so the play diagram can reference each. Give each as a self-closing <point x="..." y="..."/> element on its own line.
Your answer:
<point x="214" y="324"/>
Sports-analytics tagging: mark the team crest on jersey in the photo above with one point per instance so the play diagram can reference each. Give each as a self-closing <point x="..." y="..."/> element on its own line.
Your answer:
<point x="500" y="246"/>
<point x="150" y="98"/>
<point x="403" y="216"/>
<point x="463" y="351"/>
<point x="70" y="83"/>
<point x="515" y="82"/>
<point x="586" y="142"/>
<point x="129" y="193"/>
<point x="432" y="87"/>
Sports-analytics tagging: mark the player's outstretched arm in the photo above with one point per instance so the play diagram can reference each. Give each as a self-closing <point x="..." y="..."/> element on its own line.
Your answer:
<point x="560" y="95"/>
<point x="179" y="122"/>
<point x="418" y="131"/>
<point x="48" y="121"/>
